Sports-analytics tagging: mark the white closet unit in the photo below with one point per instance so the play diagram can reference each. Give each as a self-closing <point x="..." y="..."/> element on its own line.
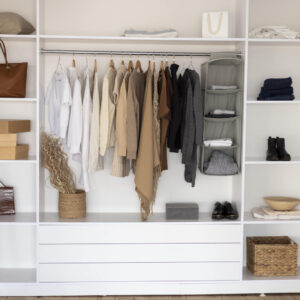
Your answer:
<point x="111" y="251"/>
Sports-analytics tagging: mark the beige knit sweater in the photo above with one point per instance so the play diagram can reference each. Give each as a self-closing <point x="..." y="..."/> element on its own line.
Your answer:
<point x="107" y="112"/>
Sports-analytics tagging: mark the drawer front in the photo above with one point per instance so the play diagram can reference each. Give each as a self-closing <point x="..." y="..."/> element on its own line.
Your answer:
<point x="143" y="233"/>
<point x="105" y="253"/>
<point x="139" y="272"/>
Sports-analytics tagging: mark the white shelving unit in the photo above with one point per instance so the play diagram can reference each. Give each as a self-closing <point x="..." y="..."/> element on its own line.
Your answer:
<point x="106" y="252"/>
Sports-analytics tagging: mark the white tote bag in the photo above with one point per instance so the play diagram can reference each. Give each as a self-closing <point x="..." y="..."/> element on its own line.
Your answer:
<point x="215" y="24"/>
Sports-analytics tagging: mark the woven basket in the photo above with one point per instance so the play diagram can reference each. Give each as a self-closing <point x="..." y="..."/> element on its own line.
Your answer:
<point x="72" y="206"/>
<point x="272" y="256"/>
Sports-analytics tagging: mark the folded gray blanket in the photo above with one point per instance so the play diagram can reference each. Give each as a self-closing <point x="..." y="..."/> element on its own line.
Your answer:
<point x="220" y="164"/>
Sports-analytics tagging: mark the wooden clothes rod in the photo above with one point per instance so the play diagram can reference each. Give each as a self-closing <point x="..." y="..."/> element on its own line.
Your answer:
<point x="138" y="53"/>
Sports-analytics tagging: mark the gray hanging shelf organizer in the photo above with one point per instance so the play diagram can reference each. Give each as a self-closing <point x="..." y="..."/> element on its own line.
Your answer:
<point x="223" y="71"/>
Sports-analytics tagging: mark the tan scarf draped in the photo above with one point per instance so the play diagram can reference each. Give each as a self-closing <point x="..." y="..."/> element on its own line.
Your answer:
<point x="148" y="163"/>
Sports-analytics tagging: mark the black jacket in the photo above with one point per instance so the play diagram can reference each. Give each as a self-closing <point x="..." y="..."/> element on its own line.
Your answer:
<point x="174" y="139"/>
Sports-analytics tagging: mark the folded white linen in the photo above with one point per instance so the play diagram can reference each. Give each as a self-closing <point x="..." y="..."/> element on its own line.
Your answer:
<point x="268" y="213"/>
<point x="169" y="33"/>
<point x="222" y="112"/>
<point x="274" y="32"/>
<point x="223" y="87"/>
<point x="226" y="142"/>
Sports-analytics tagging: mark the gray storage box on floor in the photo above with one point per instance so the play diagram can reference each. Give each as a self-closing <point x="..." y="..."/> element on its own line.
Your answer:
<point x="222" y="69"/>
<point x="182" y="211"/>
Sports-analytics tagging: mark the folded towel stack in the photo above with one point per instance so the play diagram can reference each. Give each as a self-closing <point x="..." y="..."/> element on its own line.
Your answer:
<point x="268" y="213"/>
<point x="224" y="87"/>
<point x="277" y="89"/>
<point x="226" y="142"/>
<point x="221" y="113"/>
<point x="169" y="33"/>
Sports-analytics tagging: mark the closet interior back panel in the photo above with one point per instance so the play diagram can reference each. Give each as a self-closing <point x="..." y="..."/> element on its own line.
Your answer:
<point x="107" y="18"/>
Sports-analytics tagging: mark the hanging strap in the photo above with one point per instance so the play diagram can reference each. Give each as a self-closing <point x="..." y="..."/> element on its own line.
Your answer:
<point x="2" y="183"/>
<point x="3" y="49"/>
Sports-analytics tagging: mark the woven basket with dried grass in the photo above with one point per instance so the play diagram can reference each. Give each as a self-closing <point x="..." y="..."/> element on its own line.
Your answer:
<point x="72" y="202"/>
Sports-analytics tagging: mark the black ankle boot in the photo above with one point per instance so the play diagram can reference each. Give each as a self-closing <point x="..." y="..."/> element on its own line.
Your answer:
<point x="272" y="153"/>
<point x="283" y="155"/>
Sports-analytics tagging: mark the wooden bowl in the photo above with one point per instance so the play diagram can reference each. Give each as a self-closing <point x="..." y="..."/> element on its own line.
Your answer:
<point x="282" y="203"/>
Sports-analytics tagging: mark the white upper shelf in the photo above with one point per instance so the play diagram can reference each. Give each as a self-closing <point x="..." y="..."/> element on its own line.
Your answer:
<point x="19" y="36"/>
<point x="273" y="102"/>
<point x="123" y="38"/>
<point x="260" y="40"/>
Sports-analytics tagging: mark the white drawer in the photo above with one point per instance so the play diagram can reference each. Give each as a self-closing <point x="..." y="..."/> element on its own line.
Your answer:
<point x="97" y="253"/>
<point x="144" y="233"/>
<point x="139" y="272"/>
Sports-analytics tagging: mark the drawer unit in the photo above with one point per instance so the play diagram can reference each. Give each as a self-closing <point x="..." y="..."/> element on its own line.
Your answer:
<point x="141" y="233"/>
<point x="139" y="272"/>
<point x="105" y="253"/>
<point x="139" y="252"/>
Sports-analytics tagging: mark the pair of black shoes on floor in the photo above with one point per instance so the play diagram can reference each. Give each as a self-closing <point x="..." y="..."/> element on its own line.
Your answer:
<point x="225" y="210"/>
<point x="276" y="150"/>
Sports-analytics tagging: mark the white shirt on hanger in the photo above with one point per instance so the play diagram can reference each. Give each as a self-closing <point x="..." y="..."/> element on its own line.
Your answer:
<point x="75" y="124"/>
<point x="86" y="117"/>
<point x="58" y="98"/>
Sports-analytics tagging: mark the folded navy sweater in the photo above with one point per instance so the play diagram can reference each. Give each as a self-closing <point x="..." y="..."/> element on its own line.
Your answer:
<point x="278" y="97"/>
<point x="265" y="93"/>
<point x="277" y="83"/>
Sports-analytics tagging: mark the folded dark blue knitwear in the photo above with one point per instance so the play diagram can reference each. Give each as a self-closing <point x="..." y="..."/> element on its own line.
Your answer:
<point x="269" y="93"/>
<point x="277" y="83"/>
<point x="278" y="97"/>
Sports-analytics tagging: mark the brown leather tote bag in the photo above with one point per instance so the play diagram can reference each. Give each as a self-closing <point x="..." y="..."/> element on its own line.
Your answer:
<point x="7" y="200"/>
<point x="12" y="77"/>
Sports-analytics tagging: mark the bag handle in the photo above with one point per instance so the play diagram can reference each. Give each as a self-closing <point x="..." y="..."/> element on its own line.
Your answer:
<point x="3" y="49"/>
<point x="2" y="183"/>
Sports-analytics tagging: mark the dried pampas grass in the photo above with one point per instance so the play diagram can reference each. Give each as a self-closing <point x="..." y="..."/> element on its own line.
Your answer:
<point x="56" y="162"/>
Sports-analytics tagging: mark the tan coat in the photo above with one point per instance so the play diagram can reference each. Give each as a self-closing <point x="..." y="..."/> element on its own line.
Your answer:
<point x="164" y="116"/>
<point x="135" y="99"/>
<point x="120" y="165"/>
<point x="121" y="117"/>
<point x="147" y="163"/>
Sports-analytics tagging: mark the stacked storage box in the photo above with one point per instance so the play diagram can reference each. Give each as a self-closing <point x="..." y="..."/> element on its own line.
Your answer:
<point x="9" y="148"/>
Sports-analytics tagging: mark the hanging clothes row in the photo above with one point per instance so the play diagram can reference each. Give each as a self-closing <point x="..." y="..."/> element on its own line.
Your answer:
<point x="140" y="114"/>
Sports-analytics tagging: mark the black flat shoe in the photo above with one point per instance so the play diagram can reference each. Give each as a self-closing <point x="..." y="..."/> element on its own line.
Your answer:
<point x="282" y="153"/>
<point x="272" y="153"/>
<point x="230" y="212"/>
<point x="218" y="212"/>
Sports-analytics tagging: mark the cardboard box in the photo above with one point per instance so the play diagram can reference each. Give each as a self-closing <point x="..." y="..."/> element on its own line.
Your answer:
<point x="14" y="152"/>
<point x="14" y="126"/>
<point x="8" y="139"/>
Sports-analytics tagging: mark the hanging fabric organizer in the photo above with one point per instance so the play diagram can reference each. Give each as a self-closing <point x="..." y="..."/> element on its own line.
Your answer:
<point x="222" y="84"/>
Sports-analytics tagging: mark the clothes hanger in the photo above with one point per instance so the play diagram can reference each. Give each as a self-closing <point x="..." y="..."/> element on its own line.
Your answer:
<point x="191" y="66"/>
<point x="122" y="61"/>
<point x="130" y="66"/>
<point x="95" y="66"/>
<point x="59" y="65"/>
<point x="73" y="62"/>
<point x="138" y="66"/>
<point x="162" y="65"/>
<point x="167" y="62"/>
<point x="173" y="62"/>
<point x="111" y="62"/>
<point x="153" y="63"/>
